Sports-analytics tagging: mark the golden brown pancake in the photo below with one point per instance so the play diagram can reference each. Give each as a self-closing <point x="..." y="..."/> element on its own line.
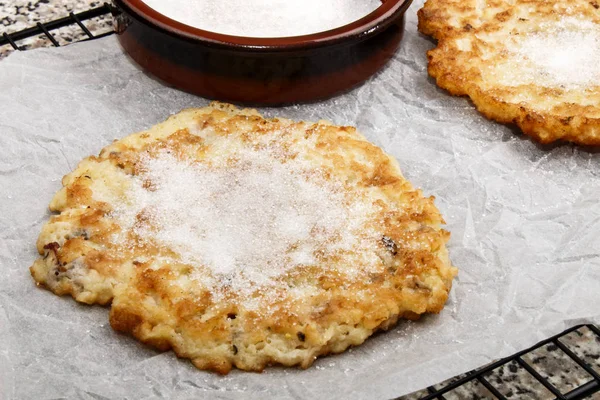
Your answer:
<point x="533" y="63"/>
<point x="241" y="241"/>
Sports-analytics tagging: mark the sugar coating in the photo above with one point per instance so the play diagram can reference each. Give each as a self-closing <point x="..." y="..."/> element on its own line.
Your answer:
<point x="563" y="54"/>
<point x="265" y="18"/>
<point x="244" y="223"/>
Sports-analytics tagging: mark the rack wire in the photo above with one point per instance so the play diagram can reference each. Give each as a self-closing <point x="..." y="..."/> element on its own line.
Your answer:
<point x="590" y="387"/>
<point x="47" y="28"/>
<point x="587" y="389"/>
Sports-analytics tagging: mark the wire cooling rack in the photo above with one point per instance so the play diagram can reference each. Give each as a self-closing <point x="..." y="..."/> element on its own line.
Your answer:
<point x="446" y="390"/>
<point x="556" y="343"/>
<point x="46" y="28"/>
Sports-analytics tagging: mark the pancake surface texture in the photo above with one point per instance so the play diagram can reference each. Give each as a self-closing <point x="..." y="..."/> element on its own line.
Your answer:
<point x="242" y="241"/>
<point x="534" y="63"/>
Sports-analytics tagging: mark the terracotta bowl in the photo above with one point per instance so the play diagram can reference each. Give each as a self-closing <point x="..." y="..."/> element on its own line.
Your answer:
<point x="260" y="70"/>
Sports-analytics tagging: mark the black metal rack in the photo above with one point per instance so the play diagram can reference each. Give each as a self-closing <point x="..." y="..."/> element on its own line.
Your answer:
<point x="580" y="392"/>
<point x="479" y="375"/>
<point x="46" y="28"/>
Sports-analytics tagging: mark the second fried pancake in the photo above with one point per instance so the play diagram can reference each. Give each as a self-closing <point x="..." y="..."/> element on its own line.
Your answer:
<point x="533" y="63"/>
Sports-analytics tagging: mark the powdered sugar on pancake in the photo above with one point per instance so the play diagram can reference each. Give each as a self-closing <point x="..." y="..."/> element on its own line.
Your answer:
<point x="246" y="220"/>
<point x="563" y="54"/>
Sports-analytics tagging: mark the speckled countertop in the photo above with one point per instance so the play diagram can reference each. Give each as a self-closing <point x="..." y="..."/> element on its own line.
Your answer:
<point x="16" y="15"/>
<point x="512" y="380"/>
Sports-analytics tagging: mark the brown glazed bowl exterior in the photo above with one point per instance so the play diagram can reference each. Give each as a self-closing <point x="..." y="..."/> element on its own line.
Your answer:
<point x="268" y="71"/>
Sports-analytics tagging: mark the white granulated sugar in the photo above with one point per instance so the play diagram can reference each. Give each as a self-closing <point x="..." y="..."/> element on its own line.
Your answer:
<point x="265" y="18"/>
<point x="242" y="225"/>
<point x="564" y="54"/>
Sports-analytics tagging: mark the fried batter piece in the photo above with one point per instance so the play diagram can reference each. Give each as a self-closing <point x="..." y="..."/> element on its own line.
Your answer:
<point x="533" y="63"/>
<point x="198" y="235"/>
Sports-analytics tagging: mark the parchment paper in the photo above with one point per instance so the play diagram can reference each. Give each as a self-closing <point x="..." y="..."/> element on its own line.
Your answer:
<point x="524" y="221"/>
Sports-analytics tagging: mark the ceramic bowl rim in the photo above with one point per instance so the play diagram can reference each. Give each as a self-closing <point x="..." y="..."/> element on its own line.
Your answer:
<point x="363" y="28"/>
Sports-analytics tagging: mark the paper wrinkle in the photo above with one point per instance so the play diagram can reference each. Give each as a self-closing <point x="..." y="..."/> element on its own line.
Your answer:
<point x="524" y="218"/>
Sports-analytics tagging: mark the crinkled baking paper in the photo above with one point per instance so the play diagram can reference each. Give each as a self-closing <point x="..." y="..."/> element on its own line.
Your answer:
<point x="525" y="223"/>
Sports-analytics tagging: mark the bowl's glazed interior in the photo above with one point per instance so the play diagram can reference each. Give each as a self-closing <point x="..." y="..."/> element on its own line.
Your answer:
<point x="260" y="70"/>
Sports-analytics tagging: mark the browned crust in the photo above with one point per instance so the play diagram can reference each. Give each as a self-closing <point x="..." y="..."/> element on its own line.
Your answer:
<point x="459" y="71"/>
<point x="150" y="302"/>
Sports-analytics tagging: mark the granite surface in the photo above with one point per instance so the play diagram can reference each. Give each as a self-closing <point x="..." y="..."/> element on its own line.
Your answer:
<point x="16" y="15"/>
<point x="511" y="380"/>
